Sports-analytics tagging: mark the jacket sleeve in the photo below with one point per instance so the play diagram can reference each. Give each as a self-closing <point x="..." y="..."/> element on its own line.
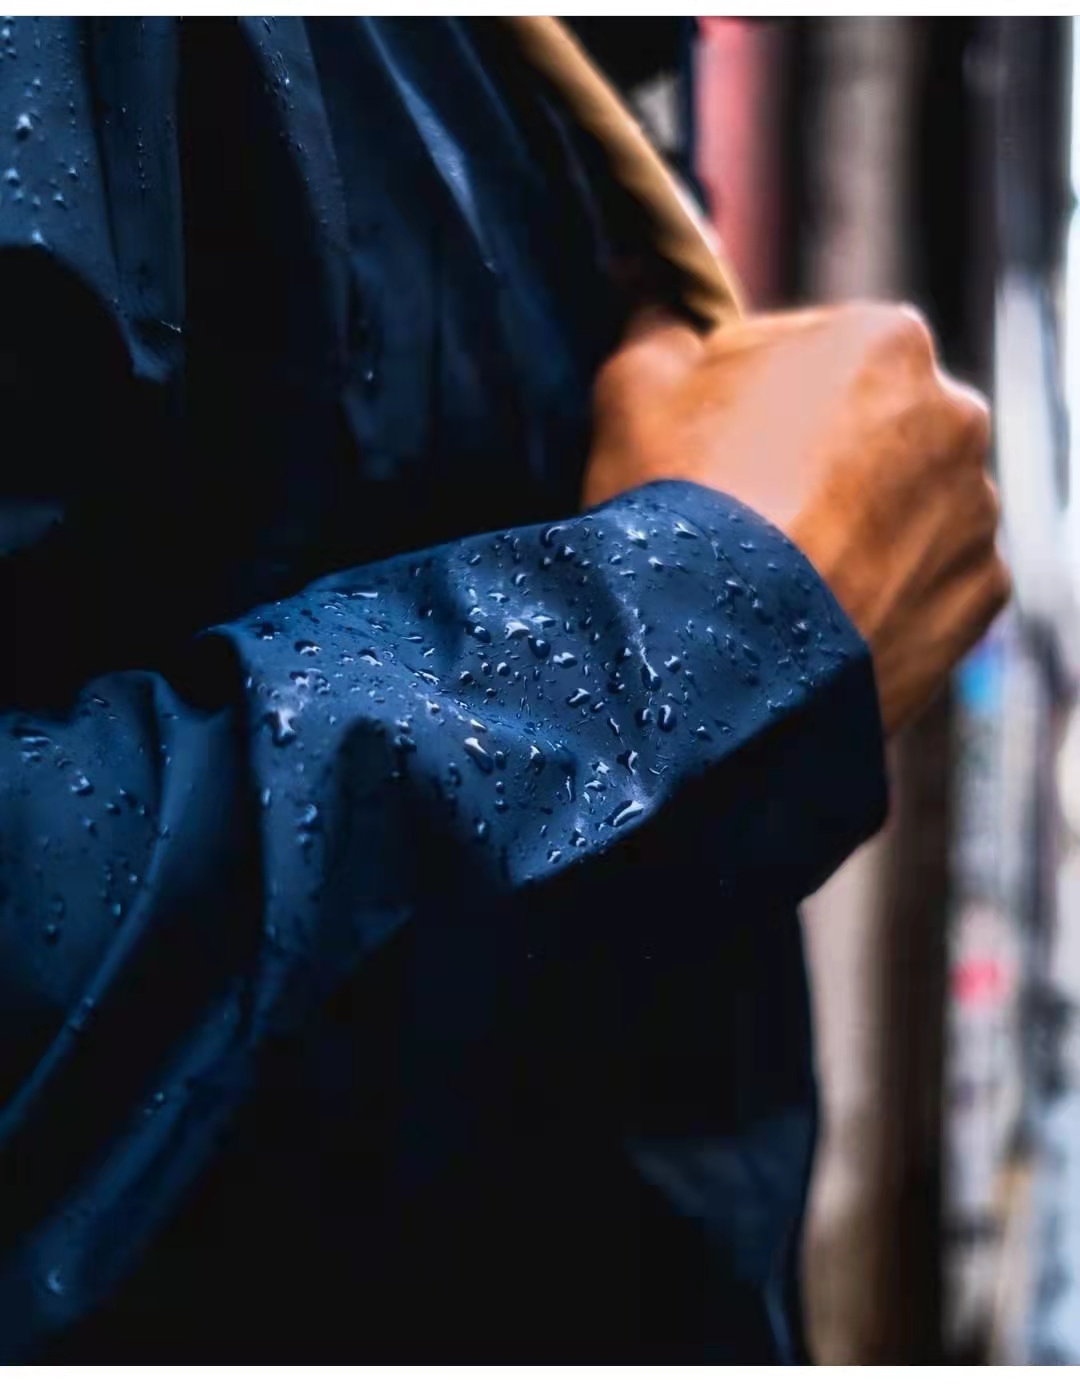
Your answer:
<point x="194" y="861"/>
<point x="195" y="856"/>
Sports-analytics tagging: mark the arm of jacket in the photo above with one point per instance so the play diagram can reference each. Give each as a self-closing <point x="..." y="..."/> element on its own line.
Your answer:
<point x="192" y="865"/>
<point x="196" y="857"/>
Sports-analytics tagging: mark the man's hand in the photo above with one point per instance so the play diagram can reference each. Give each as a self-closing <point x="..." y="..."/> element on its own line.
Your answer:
<point x="837" y="426"/>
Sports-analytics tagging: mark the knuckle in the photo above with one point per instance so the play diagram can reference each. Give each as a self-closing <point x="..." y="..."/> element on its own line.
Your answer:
<point x="999" y="584"/>
<point x="977" y="427"/>
<point x="991" y="504"/>
<point x="971" y="418"/>
<point x="962" y="430"/>
<point x="897" y="333"/>
<point x="912" y="333"/>
<point x="976" y="515"/>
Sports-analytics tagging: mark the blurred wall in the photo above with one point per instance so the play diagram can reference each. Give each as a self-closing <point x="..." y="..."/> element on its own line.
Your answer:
<point x="859" y="169"/>
<point x="840" y="169"/>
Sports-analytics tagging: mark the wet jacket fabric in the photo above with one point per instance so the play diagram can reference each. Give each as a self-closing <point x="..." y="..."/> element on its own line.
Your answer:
<point x="398" y="949"/>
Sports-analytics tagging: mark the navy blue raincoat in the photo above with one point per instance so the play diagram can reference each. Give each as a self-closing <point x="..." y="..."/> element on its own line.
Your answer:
<point x="398" y="869"/>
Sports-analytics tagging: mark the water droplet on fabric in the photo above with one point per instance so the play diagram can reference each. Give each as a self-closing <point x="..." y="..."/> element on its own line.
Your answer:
<point x="280" y="722"/>
<point x="24" y="126"/>
<point x="81" y="785"/>
<point x="578" y="697"/>
<point x="564" y="659"/>
<point x="649" y="677"/>
<point x="540" y="647"/>
<point x="627" y="811"/>
<point x="480" y="755"/>
<point x="306" y="648"/>
<point x="536" y="758"/>
<point x="666" y="718"/>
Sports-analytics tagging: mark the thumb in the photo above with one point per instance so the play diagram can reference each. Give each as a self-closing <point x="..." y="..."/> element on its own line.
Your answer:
<point x="656" y="346"/>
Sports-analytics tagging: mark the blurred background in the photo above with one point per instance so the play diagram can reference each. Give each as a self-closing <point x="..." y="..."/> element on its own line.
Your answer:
<point x="937" y="161"/>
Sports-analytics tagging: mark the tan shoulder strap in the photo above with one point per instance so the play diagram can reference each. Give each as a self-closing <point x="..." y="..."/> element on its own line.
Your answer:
<point x="678" y="233"/>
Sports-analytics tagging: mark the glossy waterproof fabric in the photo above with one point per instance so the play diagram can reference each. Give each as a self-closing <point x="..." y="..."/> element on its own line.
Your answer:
<point x="401" y="964"/>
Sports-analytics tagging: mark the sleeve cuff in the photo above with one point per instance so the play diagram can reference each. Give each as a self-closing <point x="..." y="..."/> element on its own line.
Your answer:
<point x="819" y="776"/>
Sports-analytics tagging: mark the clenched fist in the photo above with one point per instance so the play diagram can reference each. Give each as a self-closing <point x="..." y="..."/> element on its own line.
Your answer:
<point x="838" y="426"/>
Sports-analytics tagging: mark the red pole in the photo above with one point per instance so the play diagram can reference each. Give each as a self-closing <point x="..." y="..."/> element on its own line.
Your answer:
<point x="737" y="85"/>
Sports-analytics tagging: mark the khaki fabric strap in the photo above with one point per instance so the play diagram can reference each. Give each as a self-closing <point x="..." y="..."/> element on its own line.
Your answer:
<point x="678" y="233"/>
